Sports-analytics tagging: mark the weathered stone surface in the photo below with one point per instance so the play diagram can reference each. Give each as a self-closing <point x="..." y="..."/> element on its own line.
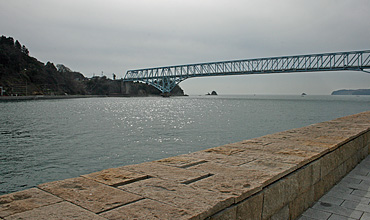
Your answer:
<point x="305" y="149"/>
<point x="329" y="162"/>
<point x="319" y="190"/>
<point x="146" y="209"/>
<point x="281" y="214"/>
<point x="215" y="156"/>
<point x="182" y="161"/>
<point x="251" y="208"/>
<point x="282" y="158"/>
<point x="238" y="187"/>
<point x="238" y="181"/>
<point x="197" y="202"/>
<point x="62" y="211"/>
<point x="304" y="178"/>
<point x="25" y="200"/>
<point x="279" y="194"/>
<point x="273" y="168"/>
<point x="302" y="202"/>
<point x="226" y="214"/>
<point x="165" y="172"/>
<point x="316" y="171"/>
<point x="115" y="176"/>
<point x="89" y="194"/>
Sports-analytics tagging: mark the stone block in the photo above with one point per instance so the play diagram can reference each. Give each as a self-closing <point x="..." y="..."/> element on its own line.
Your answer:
<point x="232" y="160"/>
<point x="304" y="178"/>
<point x="197" y="202"/>
<point x="166" y="172"/>
<point x="282" y="214"/>
<point x="341" y="171"/>
<point x="89" y="194"/>
<point x="364" y="152"/>
<point x="329" y="181"/>
<point x="237" y="187"/>
<point x="329" y="162"/>
<point x="303" y="201"/>
<point x="251" y="208"/>
<point x="279" y="194"/>
<point x="367" y="137"/>
<point x="241" y="182"/>
<point x="115" y="176"/>
<point x="319" y="190"/>
<point x="316" y="171"/>
<point x="226" y="150"/>
<point x="273" y="168"/>
<point x="351" y="162"/>
<point x="298" y="161"/>
<point x="146" y="209"/>
<point x="301" y="148"/>
<point x="226" y="214"/>
<point x="182" y="161"/>
<point x="25" y="200"/>
<point x="62" y="211"/>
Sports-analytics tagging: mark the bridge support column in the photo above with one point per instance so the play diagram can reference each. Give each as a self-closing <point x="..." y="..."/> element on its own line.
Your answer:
<point x="166" y="94"/>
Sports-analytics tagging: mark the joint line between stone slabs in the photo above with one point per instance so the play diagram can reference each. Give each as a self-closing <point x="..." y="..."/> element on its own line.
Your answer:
<point x="63" y="200"/>
<point x="130" y="181"/>
<point x="110" y="209"/>
<point x="197" y="179"/>
<point x="193" y="164"/>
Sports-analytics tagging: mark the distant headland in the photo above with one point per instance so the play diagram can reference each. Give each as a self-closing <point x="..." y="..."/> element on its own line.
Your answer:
<point x="351" y="92"/>
<point x="23" y="75"/>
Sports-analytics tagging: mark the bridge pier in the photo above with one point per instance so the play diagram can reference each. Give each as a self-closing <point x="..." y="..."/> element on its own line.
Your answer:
<point x="166" y="94"/>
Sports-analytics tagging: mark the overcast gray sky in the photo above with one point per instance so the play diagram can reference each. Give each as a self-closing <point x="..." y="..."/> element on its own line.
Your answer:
<point x="113" y="36"/>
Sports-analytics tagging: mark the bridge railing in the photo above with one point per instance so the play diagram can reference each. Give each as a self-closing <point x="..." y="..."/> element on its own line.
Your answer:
<point x="161" y="76"/>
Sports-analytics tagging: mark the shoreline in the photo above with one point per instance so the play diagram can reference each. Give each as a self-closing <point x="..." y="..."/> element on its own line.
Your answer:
<point x="47" y="97"/>
<point x="41" y="97"/>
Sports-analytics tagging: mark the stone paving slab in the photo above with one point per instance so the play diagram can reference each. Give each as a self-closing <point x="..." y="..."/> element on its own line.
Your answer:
<point x="339" y="210"/>
<point x="198" y="202"/>
<point x="165" y="172"/>
<point x="349" y="199"/>
<point x="58" y="211"/>
<point x="25" y="200"/>
<point x="146" y="209"/>
<point x="219" y="157"/>
<point x="181" y="161"/>
<point x="115" y="176"/>
<point x="89" y="194"/>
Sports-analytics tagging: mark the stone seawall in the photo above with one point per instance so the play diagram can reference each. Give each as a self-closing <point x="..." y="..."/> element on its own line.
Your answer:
<point x="276" y="176"/>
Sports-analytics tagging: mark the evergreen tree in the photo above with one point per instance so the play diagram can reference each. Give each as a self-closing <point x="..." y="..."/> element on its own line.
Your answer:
<point x="17" y="45"/>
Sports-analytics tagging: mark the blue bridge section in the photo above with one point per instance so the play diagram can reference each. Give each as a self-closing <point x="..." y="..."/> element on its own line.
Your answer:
<point x="167" y="77"/>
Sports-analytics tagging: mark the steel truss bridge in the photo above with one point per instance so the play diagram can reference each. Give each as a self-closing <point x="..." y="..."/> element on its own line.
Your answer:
<point x="166" y="78"/>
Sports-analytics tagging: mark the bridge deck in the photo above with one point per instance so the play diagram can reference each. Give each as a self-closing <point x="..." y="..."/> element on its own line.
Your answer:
<point x="167" y="77"/>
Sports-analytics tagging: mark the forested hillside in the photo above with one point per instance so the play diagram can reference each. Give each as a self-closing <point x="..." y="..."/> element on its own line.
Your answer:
<point x="21" y="74"/>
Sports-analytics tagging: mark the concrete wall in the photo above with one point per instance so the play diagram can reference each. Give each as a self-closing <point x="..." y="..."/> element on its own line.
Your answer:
<point x="276" y="176"/>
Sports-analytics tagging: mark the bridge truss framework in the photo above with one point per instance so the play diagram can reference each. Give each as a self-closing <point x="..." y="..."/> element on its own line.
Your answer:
<point x="167" y="77"/>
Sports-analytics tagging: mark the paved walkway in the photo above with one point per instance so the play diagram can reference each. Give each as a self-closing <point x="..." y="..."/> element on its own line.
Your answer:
<point x="349" y="199"/>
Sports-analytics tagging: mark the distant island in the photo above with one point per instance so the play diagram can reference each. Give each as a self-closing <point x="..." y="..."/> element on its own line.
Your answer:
<point x="23" y="75"/>
<point x="212" y="93"/>
<point x="351" y="92"/>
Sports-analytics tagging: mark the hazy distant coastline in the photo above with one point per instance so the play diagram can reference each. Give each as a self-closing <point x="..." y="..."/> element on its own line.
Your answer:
<point x="351" y="92"/>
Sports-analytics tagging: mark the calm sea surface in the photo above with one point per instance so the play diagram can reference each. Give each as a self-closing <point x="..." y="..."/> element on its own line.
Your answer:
<point x="47" y="140"/>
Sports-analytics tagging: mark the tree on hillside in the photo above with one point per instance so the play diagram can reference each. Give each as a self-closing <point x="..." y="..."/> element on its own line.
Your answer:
<point x="25" y="50"/>
<point x="17" y="45"/>
<point x="63" y="69"/>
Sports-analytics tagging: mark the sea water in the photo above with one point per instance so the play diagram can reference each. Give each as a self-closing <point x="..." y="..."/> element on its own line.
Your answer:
<point x="48" y="140"/>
